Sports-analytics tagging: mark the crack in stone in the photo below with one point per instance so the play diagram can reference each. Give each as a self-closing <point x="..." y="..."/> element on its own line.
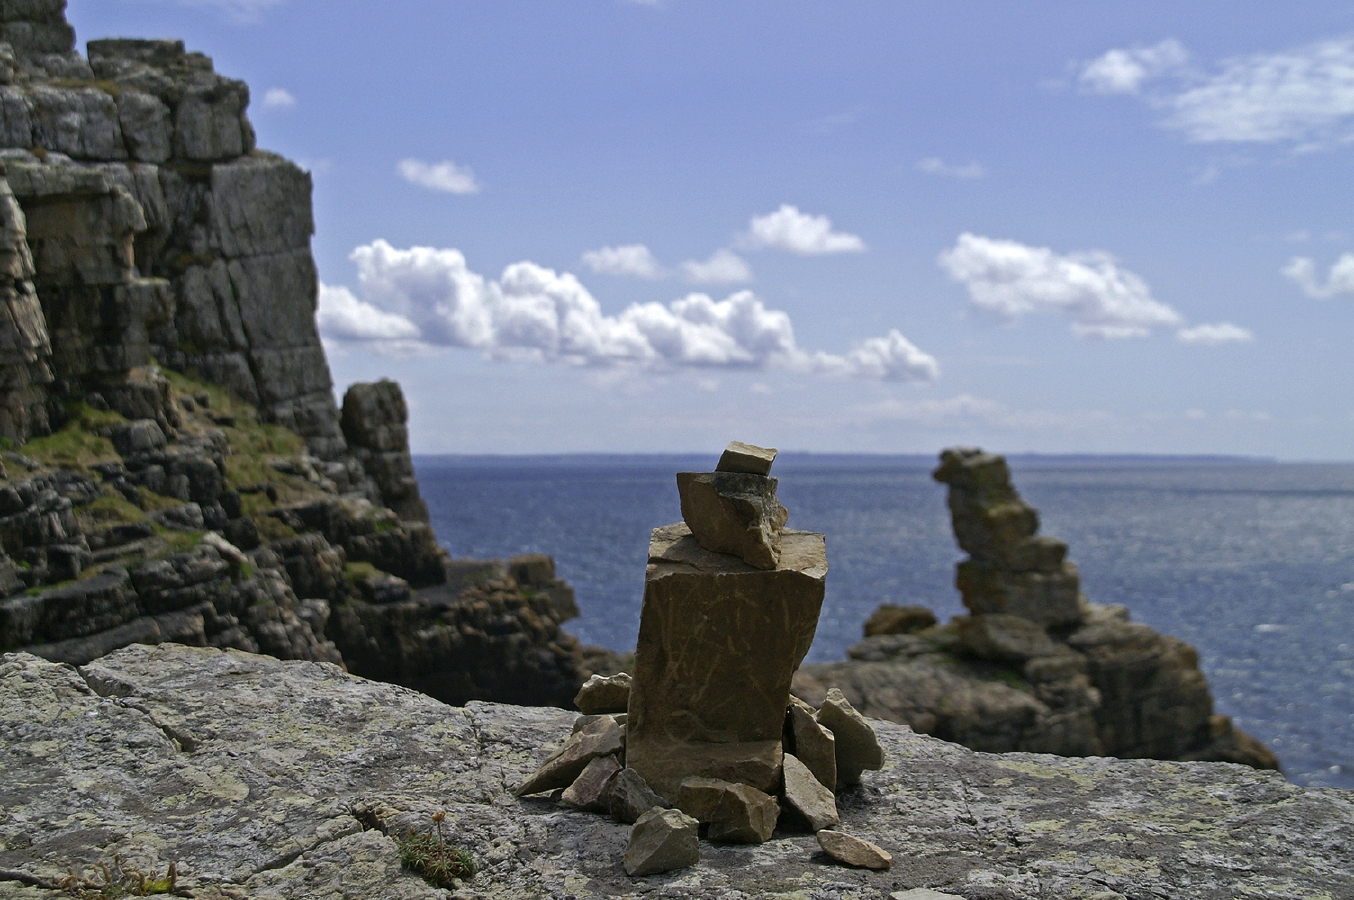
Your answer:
<point x="182" y="741"/>
<point x="27" y="878"/>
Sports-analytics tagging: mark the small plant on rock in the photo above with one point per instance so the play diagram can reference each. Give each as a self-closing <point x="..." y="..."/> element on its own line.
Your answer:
<point x="119" y="880"/>
<point x="429" y="855"/>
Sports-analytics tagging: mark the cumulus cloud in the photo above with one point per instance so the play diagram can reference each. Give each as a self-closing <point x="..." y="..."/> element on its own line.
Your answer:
<point x="278" y="98"/>
<point x="1009" y="279"/>
<point x="934" y="165"/>
<point x="1302" y="270"/>
<point x="790" y="230"/>
<point x="630" y="259"/>
<point x="1211" y="335"/>
<point x="427" y="298"/>
<point x="723" y="267"/>
<point x="444" y="176"/>
<point x="1125" y="71"/>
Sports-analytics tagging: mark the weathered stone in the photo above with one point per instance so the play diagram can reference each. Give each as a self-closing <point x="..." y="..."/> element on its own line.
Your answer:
<point x="1050" y="599"/>
<point x="890" y="618"/>
<point x="257" y="776"/>
<point x="854" y="851"/>
<point x="604" y="694"/>
<point x="806" y="796"/>
<point x="629" y="797"/>
<point x="718" y="644"/>
<point x="589" y="790"/>
<point x="601" y="738"/>
<point x="814" y="745"/>
<point x="736" y="813"/>
<point x="856" y="740"/>
<point x="584" y="721"/>
<point x="536" y="572"/>
<point x="1004" y="638"/>
<point x="746" y="458"/>
<point x="662" y="840"/>
<point x="730" y="512"/>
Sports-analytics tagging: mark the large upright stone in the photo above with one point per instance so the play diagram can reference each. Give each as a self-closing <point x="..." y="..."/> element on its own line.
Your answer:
<point x="734" y="512"/>
<point x="718" y="643"/>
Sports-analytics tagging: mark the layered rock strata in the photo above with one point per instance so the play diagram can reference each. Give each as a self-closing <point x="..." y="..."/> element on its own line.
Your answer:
<point x="259" y="778"/>
<point x="1035" y="667"/>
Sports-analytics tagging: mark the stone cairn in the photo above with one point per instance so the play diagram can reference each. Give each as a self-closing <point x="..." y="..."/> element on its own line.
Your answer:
<point x="705" y="736"/>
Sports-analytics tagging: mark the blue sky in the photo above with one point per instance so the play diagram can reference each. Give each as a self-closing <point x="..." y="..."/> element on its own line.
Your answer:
<point x="611" y="225"/>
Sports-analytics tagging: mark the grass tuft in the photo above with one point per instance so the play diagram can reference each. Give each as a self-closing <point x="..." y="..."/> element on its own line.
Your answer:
<point x="429" y="855"/>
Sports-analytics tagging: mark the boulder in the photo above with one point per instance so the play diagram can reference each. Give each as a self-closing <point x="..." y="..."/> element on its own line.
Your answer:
<point x="890" y="618"/>
<point x="662" y="840"/>
<point x="601" y="738"/>
<point x="814" y="745"/>
<point x="854" y="851"/>
<point x="719" y="641"/>
<point x="629" y="797"/>
<point x="857" y="743"/>
<point x="604" y="694"/>
<point x="736" y="813"/>
<point x="806" y="796"/>
<point x="1003" y="638"/>
<point x="746" y="458"/>
<point x="589" y="790"/>
<point x="730" y="512"/>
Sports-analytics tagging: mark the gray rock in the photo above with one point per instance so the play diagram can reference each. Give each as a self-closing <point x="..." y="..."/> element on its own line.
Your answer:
<point x="718" y="644"/>
<point x="604" y="694"/>
<point x="662" y="840"/>
<point x="746" y="458"/>
<point x="629" y="797"/>
<point x="589" y="790"/>
<point x="180" y="518"/>
<point x="273" y="797"/>
<point x="806" y="796"/>
<point x="734" y="513"/>
<point x="854" y="851"/>
<point x="857" y="743"/>
<point x="1003" y="638"/>
<point x="600" y="738"/>
<point x="136" y="437"/>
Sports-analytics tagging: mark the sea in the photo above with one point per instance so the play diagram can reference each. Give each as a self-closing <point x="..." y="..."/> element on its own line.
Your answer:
<point x="1251" y="561"/>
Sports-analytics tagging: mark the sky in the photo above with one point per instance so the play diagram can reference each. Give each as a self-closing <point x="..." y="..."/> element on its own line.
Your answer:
<point x="877" y="226"/>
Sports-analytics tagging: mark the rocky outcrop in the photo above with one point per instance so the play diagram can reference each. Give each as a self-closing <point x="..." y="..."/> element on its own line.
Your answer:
<point x="302" y="788"/>
<point x="1035" y="667"/>
<point x="374" y="417"/>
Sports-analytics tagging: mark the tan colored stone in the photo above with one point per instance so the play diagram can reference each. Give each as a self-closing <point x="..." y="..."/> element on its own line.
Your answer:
<point x="604" y="694"/>
<point x="662" y="840"/>
<point x="806" y="796"/>
<point x="589" y="790"/>
<point x="890" y="618"/>
<point x="814" y="745"/>
<point x="748" y="458"/>
<point x="600" y="738"/>
<point x="718" y="643"/>
<point x="854" y="851"/>
<point x="584" y="721"/>
<point x="736" y="813"/>
<point x="857" y="744"/>
<point x="732" y="512"/>
<point x="629" y="797"/>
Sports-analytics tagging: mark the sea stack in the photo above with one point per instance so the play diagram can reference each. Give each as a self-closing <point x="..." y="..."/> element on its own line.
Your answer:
<point x="731" y="603"/>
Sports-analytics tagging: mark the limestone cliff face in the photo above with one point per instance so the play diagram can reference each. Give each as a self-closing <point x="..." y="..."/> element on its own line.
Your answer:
<point x="266" y="779"/>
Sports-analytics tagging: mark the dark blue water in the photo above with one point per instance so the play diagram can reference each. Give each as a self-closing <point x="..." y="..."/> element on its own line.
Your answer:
<point x="1253" y="563"/>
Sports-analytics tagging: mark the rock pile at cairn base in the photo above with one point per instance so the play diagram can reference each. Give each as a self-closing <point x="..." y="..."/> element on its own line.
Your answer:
<point x="1034" y="666"/>
<point x="266" y="779"/>
<point x="182" y="471"/>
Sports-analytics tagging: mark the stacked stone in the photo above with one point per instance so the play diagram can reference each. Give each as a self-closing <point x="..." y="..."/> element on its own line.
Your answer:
<point x="1010" y="570"/>
<point x="731" y="604"/>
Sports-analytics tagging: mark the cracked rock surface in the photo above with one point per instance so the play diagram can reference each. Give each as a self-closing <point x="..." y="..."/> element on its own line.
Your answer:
<point x="264" y="778"/>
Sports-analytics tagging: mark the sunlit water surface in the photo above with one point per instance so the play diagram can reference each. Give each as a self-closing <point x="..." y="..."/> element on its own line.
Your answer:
<point x="1253" y="563"/>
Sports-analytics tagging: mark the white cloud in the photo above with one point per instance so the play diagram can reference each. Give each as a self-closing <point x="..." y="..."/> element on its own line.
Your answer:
<point x="1010" y="280"/>
<point x="795" y="232"/>
<point x="1125" y="71"/>
<point x="631" y="259"/>
<point x="278" y="98"/>
<point x="934" y="165"/>
<point x="1211" y="335"/>
<point x="1302" y="270"/>
<point x="425" y="298"/>
<point x="444" y="176"/>
<point x="723" y="267"/>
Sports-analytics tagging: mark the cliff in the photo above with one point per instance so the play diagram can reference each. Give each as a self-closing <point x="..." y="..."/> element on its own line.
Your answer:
<point x="259" y="778"/>
<point x="178" y="468"/>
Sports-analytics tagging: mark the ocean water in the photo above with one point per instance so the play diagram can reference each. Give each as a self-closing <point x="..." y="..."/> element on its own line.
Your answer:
<point x="1251" y="562"/>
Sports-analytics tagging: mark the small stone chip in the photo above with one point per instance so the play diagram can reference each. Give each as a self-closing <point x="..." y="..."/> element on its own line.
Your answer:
<point x="807" y="797"/>
<point x="589" y="790"/>
<point x="629" y="797"/>
<point x="814" y="745"/>
<point x="736" y="813"/>
<point x="600" y="738"/>
<point x="662" y="840"/>
<point x="741" y="457"/>
<point x="857" y="744"/>
<point x="604" y="694"/>
<point x="854" y="851"/>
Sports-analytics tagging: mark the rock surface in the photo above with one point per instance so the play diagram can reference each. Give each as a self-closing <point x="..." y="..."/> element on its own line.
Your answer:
<point x="719" y="641"/>
<point x="290" y="795"/>
<point x="734" y="512"/>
